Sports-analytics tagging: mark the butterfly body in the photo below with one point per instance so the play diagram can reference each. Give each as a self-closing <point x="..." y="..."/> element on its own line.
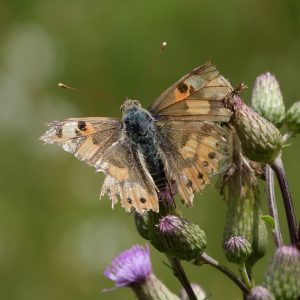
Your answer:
<point x="177" y="142"/>
<point x="140" y="130"/>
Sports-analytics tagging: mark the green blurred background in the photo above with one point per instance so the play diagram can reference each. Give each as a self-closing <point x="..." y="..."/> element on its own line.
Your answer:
<point x="55" y="236"/>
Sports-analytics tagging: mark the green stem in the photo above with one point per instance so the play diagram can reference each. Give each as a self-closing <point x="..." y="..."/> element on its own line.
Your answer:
<point x="205" y="258"/>
<point x="273" y="206"/>
<point x="245" y="276"/>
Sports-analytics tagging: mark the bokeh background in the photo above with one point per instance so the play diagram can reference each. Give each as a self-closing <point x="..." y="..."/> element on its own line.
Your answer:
<point x="55" y="236"/>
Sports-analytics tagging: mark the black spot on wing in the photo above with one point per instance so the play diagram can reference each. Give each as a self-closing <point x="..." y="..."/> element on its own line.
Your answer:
<point x="212" y="155"/>
<point x="143" y="200"/>
<point x="182" y="87"/>
<point x="82" y="125"/>
<point x="205" y="163"/>
<point x="59" y="132"/>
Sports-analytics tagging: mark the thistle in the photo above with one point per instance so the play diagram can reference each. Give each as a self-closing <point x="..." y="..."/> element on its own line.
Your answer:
<point x="237" y="249"/>
<point x="267" y="99"/>
<point x="293" y="118"/>
<point x="181" y="238"/>
<point x="132" y="268"/>
<point x="239" y="186"/>
<point x="282" y="277"/>
<point x="260" y="293"/>
<point x="261" y="140"/>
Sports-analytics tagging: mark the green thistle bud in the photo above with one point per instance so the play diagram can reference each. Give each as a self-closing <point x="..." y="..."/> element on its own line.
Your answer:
<point x="267" y="99"/>
<point x="261" y="140"/>
<point x="282" y="277"/>
<point x="293" y="118"/>
<point x="240" y="189"/>
<point x="199" y="292"/>
<point x="237" y="249"/>
<point x="142" y="224"/>
<point x="181" y="238"/>
<point x="260" y="293"/>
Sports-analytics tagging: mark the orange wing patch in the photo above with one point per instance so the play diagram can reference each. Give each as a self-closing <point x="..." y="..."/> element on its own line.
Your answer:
<point x="196" y="96"/>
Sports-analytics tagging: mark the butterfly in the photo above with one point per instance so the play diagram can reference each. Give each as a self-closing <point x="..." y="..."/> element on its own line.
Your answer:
<point x="177" y="142"/>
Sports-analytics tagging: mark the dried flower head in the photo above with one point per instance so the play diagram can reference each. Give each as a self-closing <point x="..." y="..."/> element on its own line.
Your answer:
<point x="267" y="99"/>
<point x="239" y="186"/>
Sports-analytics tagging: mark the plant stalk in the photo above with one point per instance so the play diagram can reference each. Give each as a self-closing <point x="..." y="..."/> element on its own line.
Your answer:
<point x="205" y="258"/>
<point x="180" y="274"/>
<point x="278" y="167"/>
<point x="273" y="206"/>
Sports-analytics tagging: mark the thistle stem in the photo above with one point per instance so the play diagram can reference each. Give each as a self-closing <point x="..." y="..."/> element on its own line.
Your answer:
<point x="245" y="276"/>
<point x="278" y="167"/>
<point x="205" y="258"/>
<point x="273" y="206"/>
<point x="180" y="274"/>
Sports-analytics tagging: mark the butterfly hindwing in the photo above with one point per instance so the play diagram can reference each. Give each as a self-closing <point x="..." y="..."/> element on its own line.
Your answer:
<point x="196" y="96"/>
<point x="192" y="152"/>
<point x="128" y="179"/>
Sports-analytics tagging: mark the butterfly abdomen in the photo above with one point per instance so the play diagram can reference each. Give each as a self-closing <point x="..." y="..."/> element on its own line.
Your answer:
<point x="154" y="165"/>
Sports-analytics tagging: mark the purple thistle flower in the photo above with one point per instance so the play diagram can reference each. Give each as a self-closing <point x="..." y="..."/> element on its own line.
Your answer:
<point x="130" y="266"/>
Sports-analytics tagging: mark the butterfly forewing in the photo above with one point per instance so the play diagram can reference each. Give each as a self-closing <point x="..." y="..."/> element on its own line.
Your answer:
<point x="101" y="143"/>
<point x="197" y="96"/>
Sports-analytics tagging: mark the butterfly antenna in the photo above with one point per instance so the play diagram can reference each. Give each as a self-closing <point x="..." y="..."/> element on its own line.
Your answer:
<point x="68" y="87"/>
<point x="153" y="62"/>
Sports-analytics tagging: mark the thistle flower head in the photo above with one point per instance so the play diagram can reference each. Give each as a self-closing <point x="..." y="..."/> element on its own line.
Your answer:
<point x="267" y="99"/>
<point x="261" y="140"/>
<point x="293" y="118"/>
<point x="282" y="277"/>
<point x="181" y="238"/>
<point x="260" y="293"/>
<point x="131" y="266"/>
<point x="237" y="249"/>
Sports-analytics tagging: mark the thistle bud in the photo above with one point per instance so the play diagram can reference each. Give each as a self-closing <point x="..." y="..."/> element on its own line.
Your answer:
<point x="240" y="189"/>
<point x="237" y="249"/>
<point x="261" y="140"/>
<point x="199" y="292"/>
<point x="132" y="268"/>
<point x="267" y="99"/>
<point x="142" y="224"/>
<point x="282" y="277"/>
<point x="260" y="293"/>
<point x="181" y="238"/>
<point x="293" y="118"/>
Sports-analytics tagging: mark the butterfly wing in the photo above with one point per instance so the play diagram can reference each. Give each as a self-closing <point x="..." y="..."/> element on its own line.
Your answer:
<point x="128" y="178"/>
<point x="191" y="152"/>
<point x="100" y="142"/>
<point x="86" y="138"/>
<point x="196" y="96"/>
